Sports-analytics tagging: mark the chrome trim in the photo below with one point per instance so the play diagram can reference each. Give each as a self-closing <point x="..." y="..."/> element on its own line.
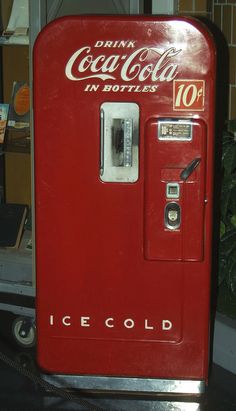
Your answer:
<point x="125" y="403"/>
<point x="102" y="142"/>
<point x="119" y="142"/>
<point x="127" y="385"/>
<point x="169" y="195"/>
<point x="167" y="130"/>
<point x="175" y="224"/>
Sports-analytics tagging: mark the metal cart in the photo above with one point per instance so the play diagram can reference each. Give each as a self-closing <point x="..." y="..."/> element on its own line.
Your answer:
<point x="17" y="290"/>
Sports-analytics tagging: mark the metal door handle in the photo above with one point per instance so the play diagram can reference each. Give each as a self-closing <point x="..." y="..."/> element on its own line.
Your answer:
<point x="189" y="169"/>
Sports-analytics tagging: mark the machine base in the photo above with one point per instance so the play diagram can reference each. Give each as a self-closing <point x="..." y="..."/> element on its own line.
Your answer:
<point x="125" y="385"/>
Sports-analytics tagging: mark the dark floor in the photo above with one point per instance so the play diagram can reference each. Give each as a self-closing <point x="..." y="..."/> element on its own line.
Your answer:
<point x="19" y="393"/>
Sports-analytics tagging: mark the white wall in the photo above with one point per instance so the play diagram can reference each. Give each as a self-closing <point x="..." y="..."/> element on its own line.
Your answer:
<point x="164" y="6"/>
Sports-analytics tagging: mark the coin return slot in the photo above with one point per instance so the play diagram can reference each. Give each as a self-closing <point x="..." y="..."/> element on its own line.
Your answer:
<point x="172" y="216"/>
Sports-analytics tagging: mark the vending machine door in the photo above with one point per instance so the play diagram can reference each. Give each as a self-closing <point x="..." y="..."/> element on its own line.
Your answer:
<point x="124" y="143"/>
<point x="175" y="189"/>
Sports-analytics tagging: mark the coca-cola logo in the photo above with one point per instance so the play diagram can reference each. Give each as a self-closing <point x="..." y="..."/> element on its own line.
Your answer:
<point x="142" y="64"/>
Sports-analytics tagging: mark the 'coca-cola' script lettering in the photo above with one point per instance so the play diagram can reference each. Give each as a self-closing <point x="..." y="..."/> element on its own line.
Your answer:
<point x="143" y="64"/>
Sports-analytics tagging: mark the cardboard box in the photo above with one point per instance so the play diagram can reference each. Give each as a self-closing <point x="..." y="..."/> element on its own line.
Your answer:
<point x="15" y="67"/>
<point x="18" y="178"/>
<point x="6" y="7"/>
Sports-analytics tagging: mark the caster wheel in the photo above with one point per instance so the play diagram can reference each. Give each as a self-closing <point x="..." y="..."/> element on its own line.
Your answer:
<point x="24" y="332"/>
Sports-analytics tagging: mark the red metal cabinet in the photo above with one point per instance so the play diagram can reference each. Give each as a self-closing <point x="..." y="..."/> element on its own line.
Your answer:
<point x="124" y="140"/>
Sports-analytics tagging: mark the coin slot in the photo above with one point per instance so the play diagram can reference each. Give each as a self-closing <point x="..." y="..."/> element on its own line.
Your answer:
<point x="172" y="216"/>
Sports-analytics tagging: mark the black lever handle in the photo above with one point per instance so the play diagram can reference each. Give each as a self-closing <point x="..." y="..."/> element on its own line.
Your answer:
<point x="189" y="169"/>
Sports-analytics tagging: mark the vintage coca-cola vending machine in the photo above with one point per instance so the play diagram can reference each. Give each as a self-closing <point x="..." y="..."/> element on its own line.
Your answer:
<point x="124" y="143"/>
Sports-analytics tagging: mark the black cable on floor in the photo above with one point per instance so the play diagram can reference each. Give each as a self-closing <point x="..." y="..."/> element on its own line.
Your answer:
<point x="47" y="386"/>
